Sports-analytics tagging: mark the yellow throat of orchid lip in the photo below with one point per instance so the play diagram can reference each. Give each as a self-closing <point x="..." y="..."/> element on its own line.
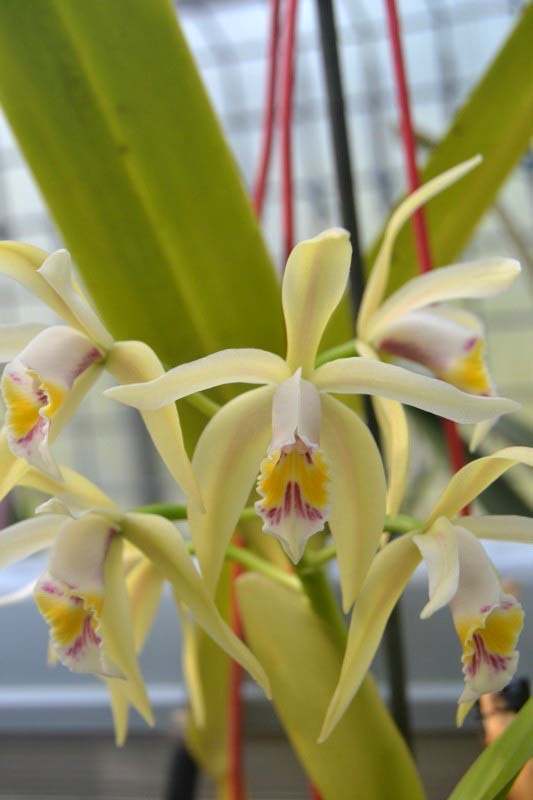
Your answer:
<point x="69" y="616"/>
<point x="24" y="409"/>
<point x="490" y="639"/>
<point x="293" y="480"/>
<point x="469" y="372"/>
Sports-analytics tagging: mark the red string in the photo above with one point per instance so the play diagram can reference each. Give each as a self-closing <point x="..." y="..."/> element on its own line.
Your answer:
<point x="235" y="707"/>
<point x="287" y="86"/>
<point x="454" y="444"/>
<point x="258" y="194"/>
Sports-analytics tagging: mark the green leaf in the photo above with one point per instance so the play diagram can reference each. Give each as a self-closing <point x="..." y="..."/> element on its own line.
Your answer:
<point x="496" y="121"/>
<point x="365" y="756"/>
<point x="110" y="112"/>
<point x="492" y="774"/>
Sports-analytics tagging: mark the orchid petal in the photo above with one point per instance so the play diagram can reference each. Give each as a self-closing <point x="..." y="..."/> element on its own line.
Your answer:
<point x="480" y="432"/>
<point x="379" y="276"/>
<point x="487" y="621"/>
<point x="439" y="550"/>
<point x="35" y="385"/>
<point x="72" y="484"/>
<point x="359" y="375"/>
<point x="293" y="480"/>
<point x="474" y="478"/>
<point x="135" y="361"/>
<point x="162" y="543"/>
<point x="25" y="538"/>
<point x="21" y="262"/>
<point x="314" y="282"/>
<point x="246" y="365"/>
<point x="357" y="494"/>
<point x="79" y="552"/>
<point x="14" y="338"/>
<point x="11" y="467"/>
<point x="501" y="528"/>
<point x="436" y="340"/>
<point x="57" y="272"/>
<point x="388" y="576"/>
<point x="71" y="595"/>
<point x="474" y="279"/>
<point x="118" y="630"/>
<point x="295" y="413"/>
<point x="228" y="456"/>
<point x="394" y="431"/>
<point x="145" y="585"/>
<point x="190" y="665"/>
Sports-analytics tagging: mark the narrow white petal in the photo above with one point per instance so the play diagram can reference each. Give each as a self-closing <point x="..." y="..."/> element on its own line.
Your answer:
<point x="314" y="281"/>
<point x="21" y="262"/>
<point x="439" y="550"/>
<point x="479" y="586"/>
<point x="357" y="512"/>
<point x="227" y="366"/>
<point x="394" y="431"/>
<point x="474" y="279"/>
<point x="163" y="545"/>
<point x="472" y="479"/>
<point x="58" y="273"/>
<point x="388" y="576"/>
<point x="360" y="375"/>
<point x="227" y="459"/>
<point x="135" y="361"/>
<point x="25" y="538"/>
<point x="379" y="276"/>
<point x="502" y="528"/>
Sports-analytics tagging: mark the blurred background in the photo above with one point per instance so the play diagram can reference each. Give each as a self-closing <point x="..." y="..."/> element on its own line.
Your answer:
<point x="448" y="45"/>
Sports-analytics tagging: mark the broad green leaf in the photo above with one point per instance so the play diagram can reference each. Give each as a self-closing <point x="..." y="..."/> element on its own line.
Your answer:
<point x="365" y="756"/>
<point x="497" y="121"/>
<point x="495" y="769"/>
<point x="109" y="110"/>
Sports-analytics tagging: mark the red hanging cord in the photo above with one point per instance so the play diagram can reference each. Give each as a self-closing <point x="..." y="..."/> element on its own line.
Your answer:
<point x="259" y="190"/>
<point x="454" y="444"/>
<point x="287" y="86"/>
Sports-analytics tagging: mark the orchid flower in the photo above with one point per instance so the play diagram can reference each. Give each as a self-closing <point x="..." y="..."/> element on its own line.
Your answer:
<point x="84" y="596"/>
<point x="50" y="369"/>
<point x="416" y="323"/>
<point x="313" y="458"/>
<point x="487" y="620"/>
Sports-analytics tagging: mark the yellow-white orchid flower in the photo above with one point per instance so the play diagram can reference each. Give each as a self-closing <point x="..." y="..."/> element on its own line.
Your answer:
<point x="416" y="323"/>
<point x="50" y="369"/>
<point x="83" y="595"/>
<point x="487" y="620"/>
<point x="412" y="323"/>
<point x="321" y="463"/>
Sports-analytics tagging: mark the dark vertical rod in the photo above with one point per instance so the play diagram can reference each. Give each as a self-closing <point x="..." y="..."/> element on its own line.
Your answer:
<point x="183" y="775"/>
<point x="337" y="114"/>
<point x="339" y="134"/>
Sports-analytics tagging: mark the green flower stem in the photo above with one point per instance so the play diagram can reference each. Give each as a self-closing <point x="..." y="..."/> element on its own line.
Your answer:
<point x="176" y="511"/>
<point x="322" y="599"/>
<point x="203" y="403"/>
<point x="340" y="351"/>
<point x="399" y="524"/>
<point x="167" y="510"/>
<point x="257" y="564"/>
